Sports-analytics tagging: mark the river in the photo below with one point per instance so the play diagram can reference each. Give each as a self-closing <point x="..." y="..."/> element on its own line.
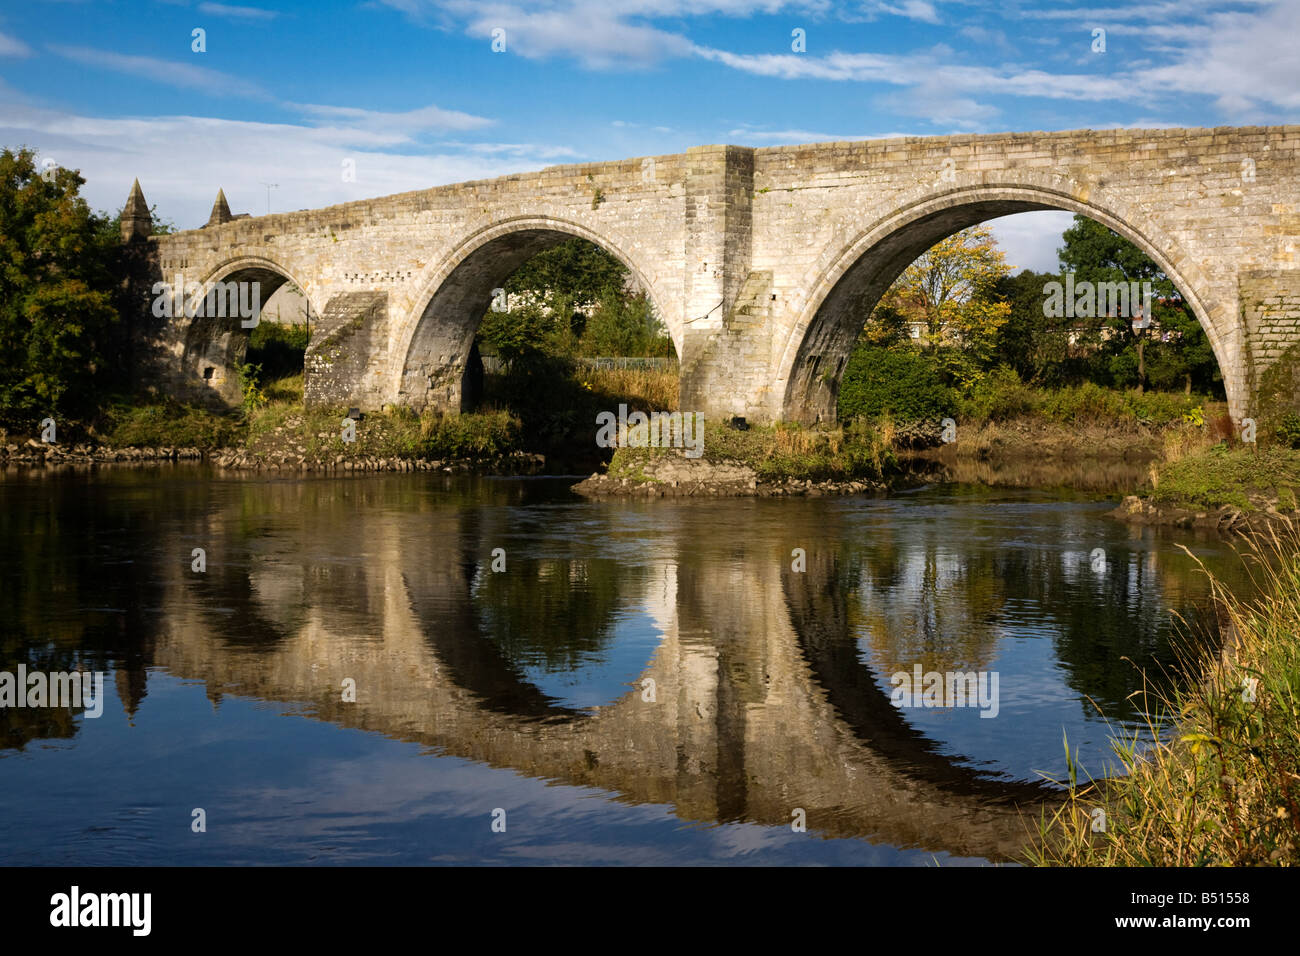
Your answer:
<point x="349" y="680"/>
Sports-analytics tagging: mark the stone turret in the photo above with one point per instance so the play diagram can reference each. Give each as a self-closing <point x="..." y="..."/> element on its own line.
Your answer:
<point x="220" y="210"/>
<point x="137" y="223"/>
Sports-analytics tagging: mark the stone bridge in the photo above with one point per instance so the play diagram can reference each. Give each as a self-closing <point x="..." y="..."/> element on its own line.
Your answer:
<point x="761" y="263"/>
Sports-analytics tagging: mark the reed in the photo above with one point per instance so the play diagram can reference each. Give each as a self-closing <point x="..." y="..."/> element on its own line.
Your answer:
<point x="1221" y="786"/>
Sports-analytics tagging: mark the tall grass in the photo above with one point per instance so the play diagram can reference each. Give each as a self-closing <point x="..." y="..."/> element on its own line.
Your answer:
<point x="650" y="389"/>
<point x="1222" y="786"/>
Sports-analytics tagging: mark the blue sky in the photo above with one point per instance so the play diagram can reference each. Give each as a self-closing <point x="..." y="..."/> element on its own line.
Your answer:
<point x="412" y="92"/>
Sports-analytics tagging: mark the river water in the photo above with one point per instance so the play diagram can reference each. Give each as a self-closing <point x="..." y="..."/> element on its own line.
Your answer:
<point x="349" y="680"/>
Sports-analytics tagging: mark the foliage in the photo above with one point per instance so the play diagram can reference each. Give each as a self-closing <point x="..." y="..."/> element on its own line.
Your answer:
<point x="579" y="270"/>
<point x="1288" y="430"/>
<point x="130" y="422"/>
<point x="523" y="335"/>
<point x="901" y="383"/>
<point x="1180" y="356"/>
<point x="857" y="450"/>
<point x="624" y="325"/>
<point x="1037" y="346"/>
<point x="1219" y="788"/>
<point x="249" y="389"/>
<point x="950" y="290"/>
<point x="279" y="348"/>
<point x="1221" y="475"/>
<point x="481" y="435"/>
<point x="56" y="294"/>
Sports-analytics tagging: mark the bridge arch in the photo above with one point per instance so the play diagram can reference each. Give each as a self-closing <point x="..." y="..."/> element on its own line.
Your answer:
<point x="432" y="343"/>
<point x="213" y="346"/>
<point x="817" y="345"/>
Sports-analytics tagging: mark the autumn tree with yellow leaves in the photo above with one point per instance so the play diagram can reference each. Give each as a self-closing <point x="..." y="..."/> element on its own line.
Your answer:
<point x="950" y="293"/>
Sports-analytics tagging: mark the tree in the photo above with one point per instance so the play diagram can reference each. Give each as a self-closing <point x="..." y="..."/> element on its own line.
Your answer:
<point x="622" y="325"/>
<point x="1181" y="352"/>
<point x="56" y="292"/>
<point x="950" y="290"/>
<point x="576" y="268"/>
<point x="1038" y="347"/>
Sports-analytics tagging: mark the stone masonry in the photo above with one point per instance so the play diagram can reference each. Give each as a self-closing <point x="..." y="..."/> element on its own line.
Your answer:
<point x="760" y="262"/>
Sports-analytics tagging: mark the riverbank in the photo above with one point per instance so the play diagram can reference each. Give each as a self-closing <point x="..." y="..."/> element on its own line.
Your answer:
<point x="755" y="461"/>
<point x="1220" y="787"/>
<point x="1227" y="489"/>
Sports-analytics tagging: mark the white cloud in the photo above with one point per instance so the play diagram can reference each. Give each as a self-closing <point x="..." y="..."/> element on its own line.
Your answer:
<point x="238" y="13"/>
<point x="911" y="9"/>
<point x="165" y="72"/>
<point x="933" y="69"/>
<point x="1243" y="60"/>
<point x="182" y="160"/>
<point x="12" y="46"/>
<point x="402" y="124"/>
<point x="783" y="137"/>
<point x="1030" y="239"/>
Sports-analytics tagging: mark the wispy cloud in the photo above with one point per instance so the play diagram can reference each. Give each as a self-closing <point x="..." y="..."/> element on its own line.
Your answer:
<point x="306" y="161"/>
<point x="238" y="13"/>
<point x="782" y="137"/>
<point x="401" y="124"/>
<point x="174" y="73"/>
<point x="12" y="46"/>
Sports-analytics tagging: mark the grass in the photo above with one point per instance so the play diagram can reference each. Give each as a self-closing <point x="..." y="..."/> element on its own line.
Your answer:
<point x="280" y="424"/>
<point x="167" y="423"/>
<point x="854" y="451"/>
<point x="1222" y="787"/>
<point x="1005" y="398"/>
<point x="1221" y="475"/>
<point x="317" y="433"/>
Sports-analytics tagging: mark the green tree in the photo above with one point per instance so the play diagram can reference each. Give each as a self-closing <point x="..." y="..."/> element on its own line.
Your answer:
<point x="1038" y="347"/>
<point x="624" y="325"/>
<point x="1177" y="353"/>
<point x="576" y="269"/>
<point x="56" y="293"/>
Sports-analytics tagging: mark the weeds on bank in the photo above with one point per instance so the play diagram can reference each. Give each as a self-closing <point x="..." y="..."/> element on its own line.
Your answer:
<point x="857" y="450"/>
<point x="1221" y="475"/>
<point x="1222" y="785"/>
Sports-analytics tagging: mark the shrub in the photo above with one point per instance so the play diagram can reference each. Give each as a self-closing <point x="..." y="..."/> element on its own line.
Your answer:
<point x="1000" y="396"/>
<point x="1288" y="430"/>
<point x="481" y="434"/>
<point x="900" y="383"/>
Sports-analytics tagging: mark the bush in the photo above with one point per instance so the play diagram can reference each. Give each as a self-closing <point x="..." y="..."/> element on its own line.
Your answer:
<point x="278" y="349"/>
<point x="167" y="423"/>
<point x="482" y="434"/>
<point x="900" y="383"/>
<point x="1000" y="396"/>
<point x="1288" y="430"/>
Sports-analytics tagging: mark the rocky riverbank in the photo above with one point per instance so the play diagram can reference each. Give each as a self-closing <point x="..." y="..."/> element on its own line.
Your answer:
<point x="35" y="454"/>
<point x="1226" y="519"/>
<point x="514" y="463"/>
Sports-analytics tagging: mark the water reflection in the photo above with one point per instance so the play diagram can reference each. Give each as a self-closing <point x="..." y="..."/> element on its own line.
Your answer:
<point x="664" y="653"/>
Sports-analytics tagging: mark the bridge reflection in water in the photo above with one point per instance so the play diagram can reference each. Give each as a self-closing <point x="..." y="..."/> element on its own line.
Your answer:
<point x="770" y="688"/>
